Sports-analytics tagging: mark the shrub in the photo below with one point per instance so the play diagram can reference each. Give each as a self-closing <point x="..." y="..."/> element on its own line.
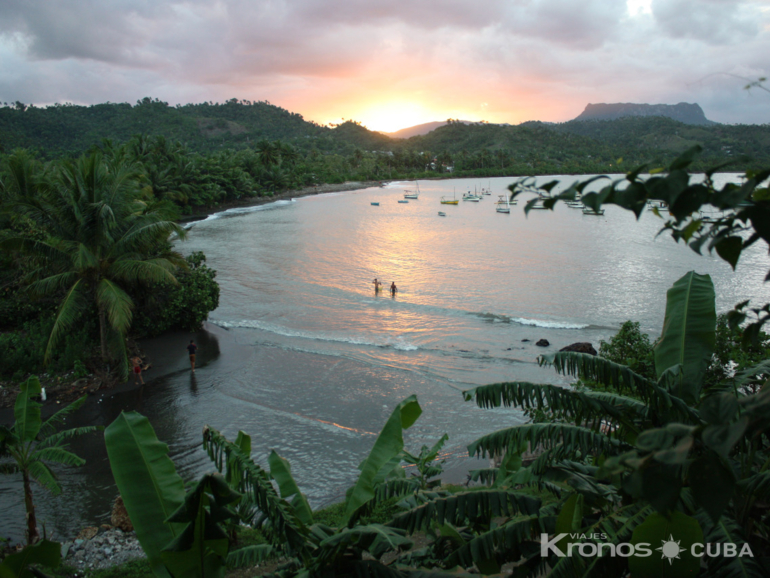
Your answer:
<point x="183" y="307"/>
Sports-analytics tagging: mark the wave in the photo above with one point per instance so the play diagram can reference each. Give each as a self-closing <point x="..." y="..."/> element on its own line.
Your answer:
<point x="241" y="211"/>
<point x="397" y="343"/>
<point x="498" y="318"/>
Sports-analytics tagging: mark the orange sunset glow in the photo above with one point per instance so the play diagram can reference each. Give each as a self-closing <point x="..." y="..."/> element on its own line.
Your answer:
<point x="391" y="67"/>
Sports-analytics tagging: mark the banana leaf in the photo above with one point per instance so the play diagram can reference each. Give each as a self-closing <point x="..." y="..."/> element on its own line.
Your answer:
<point x="389" y="444"/>
<point x="148" y="482"/>
<point x="689" y="333"/>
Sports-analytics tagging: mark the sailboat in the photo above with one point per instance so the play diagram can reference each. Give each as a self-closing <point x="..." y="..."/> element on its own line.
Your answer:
<point x="472" y="197"/>
<point x="411" y="194"/>
<point x="448" y="201"/>
<point x="503" y="205"/>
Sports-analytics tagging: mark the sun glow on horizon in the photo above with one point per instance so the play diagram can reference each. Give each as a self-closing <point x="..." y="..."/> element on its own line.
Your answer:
<point x="395" y="115"/>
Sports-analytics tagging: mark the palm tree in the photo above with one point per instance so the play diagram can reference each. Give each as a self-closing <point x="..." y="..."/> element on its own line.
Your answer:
<point x="103" y="239"/>
<point x="30" y="443"/>
<point x="269" y="153"/>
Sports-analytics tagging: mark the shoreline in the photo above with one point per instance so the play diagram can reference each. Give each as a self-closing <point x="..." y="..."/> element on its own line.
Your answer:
<point x="286" y="195"/>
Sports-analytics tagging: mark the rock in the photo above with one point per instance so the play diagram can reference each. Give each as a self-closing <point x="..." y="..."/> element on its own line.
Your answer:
<point x="119" y="517"/>
<point x="583" y="347"/>
<point x="543" y="343"/>
<point x="88" y="533"/>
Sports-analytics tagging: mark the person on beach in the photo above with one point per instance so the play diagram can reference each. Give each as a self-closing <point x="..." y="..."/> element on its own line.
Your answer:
<point x="136" y="363"/>
<point x="377" y="285"/>
<point x="192" y="348"/>
<point x="393" y="288"/>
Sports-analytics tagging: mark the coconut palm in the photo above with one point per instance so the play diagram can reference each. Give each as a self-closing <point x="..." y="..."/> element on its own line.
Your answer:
<point x="30" y="443"/>
<point x="102" y="240"/>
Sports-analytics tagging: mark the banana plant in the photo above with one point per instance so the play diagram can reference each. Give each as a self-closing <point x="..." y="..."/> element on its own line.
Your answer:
<point x="645" y="458"/>
<point x="31" y="443"/>
<point x="179" y="531"/>
<point x="310" y="548"/>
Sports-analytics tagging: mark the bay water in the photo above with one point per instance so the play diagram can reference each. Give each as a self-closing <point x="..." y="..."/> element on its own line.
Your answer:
<point x="305" y="357"/>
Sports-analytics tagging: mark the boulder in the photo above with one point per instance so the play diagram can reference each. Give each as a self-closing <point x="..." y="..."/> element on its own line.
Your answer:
<point x="583" y="347"/>
<point x="543" y="343"/>
<point x="119" y="517"/>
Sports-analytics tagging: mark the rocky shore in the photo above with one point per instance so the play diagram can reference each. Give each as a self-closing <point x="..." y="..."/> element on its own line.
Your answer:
<point x="101" y="548"/>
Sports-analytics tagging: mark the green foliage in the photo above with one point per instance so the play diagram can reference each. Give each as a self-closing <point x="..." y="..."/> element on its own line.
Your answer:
<point x="180" y="532"/>
<point x="101" y="239"/>
<point x="632" y="348"/>
<point x="23" y="564"/>
<point x="30" y="444"/>
<point x="183" y="306"/>
<point x="24" y="349"/>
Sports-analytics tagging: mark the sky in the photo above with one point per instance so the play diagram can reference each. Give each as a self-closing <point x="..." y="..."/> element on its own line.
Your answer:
<point x="393" y="64"/>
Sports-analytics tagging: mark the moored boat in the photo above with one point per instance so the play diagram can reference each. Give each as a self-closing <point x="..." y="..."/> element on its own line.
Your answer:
<point x="590" y="211"/>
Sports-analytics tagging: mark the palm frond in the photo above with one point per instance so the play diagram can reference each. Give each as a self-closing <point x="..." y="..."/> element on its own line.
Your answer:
<point x="143" y="272"/>
<point x="116" y="303"/>
<point x="58" y="418"/>
<point x="255" y="482"/>
<point x="622" y="379"/>
<point x="502" y="543"/>
<point x="72" y="305"/>
<point x="53" y="283"/>
<point x="55" y="439"/>
<point x="578" y="406"/>
<point x="757" y="485"/>
<point x="544" y="436"/>
<point x="458" y="508"/>
<point x="395" y="488"/>
<point x="44" y="476"/>
<point x="58" y="455"/>
<point x="252" y="555"/>
<point x="727" y="531"/>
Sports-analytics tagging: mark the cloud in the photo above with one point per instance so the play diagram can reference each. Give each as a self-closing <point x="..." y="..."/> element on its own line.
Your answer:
<point x="326" y="59"/>
<point x="708" y="21"/>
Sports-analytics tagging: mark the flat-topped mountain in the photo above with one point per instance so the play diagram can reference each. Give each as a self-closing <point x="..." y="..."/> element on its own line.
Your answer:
<point x="688" y="113"/>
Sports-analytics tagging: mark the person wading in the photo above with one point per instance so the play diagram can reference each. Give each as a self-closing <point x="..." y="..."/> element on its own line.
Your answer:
<point x="192" y="348"/>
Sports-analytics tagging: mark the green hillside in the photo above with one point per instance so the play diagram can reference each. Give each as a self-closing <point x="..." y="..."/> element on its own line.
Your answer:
<point x="62" y="130"/>
<point x="529" y="148"/>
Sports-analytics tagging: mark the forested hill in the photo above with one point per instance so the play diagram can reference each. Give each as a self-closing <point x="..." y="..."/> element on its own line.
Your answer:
<point x="571" y="147"/>
<point x="578" y="146"/>
<point x="69" y="129"/>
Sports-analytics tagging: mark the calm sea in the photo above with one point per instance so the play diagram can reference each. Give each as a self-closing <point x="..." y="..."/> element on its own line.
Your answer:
<point x="304" y="356"/>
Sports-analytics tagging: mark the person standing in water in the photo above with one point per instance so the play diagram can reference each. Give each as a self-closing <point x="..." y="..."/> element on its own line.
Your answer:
<point x="192" y="348"/>
<point x="377" y="285"/>
<point x="393" y="288"/>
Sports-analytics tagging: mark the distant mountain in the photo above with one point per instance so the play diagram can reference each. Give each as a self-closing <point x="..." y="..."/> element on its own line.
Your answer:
<point x="421" y="129"/>
<point x="685" y="112"/>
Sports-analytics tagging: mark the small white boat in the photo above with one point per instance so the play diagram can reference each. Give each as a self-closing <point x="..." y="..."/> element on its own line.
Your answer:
<point x="589" y="211"/>
<point x="651" y="205"/>
<point x="575" y="205"/>
<point x="503" y="205"/>
<point x="441" y="214"/>
<point x="471" y="197"/>
<point x="538" y="205"/>
<point x="412" y="194"/>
